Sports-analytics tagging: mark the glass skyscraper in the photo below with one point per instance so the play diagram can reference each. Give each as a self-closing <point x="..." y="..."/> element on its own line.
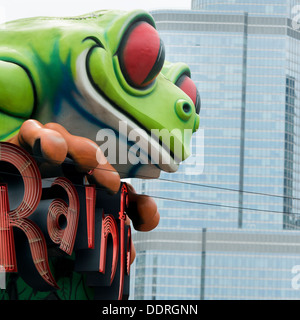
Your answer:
<point x="230" y="229"/>
<point x="279" y="8"/>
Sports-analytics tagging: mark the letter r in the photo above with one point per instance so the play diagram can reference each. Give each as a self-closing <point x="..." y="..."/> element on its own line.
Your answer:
<point x="30" y="174"/>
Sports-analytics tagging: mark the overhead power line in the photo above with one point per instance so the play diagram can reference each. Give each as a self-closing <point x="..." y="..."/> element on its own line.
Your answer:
<point x="179" y="200"/>
<point x="193" y="183"/>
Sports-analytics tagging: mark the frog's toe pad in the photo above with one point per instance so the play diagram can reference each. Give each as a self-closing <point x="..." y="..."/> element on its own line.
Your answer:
<point x="50" y="146"/>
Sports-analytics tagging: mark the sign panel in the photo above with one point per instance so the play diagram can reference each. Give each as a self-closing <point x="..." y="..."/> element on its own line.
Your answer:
<point x="60" y="227"/>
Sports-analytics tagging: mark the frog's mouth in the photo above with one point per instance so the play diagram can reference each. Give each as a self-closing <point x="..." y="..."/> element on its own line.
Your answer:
<point x="110" y="114"/>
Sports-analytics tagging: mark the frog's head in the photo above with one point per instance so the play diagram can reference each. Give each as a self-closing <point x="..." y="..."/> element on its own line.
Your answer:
<point x="123" y="75"/>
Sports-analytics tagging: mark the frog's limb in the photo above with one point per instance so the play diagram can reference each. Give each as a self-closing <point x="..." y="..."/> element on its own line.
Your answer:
<point x="84" y="153"/>
<point x="142" y="211"/>
<point x="55" y="143"/>
<point x="17" y="98"/>
<point x="53" y="146"/>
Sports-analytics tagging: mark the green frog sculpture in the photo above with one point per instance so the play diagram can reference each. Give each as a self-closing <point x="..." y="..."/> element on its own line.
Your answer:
<point x="67" y="82"/>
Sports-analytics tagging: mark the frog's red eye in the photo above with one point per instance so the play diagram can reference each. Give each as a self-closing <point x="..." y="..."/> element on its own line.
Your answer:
<point x="187" y="85"/>
<point x="141" y="54"/>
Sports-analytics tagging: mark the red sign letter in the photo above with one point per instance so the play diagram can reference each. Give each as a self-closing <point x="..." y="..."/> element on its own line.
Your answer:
<point x="18" y="218"/>
<point x="90" y="192"/>
<point x="65" y="237"/>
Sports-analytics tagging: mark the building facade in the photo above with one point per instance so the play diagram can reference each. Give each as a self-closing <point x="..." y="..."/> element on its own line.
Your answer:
<point x="275" y="8"/>
<point x="229" y="222"/>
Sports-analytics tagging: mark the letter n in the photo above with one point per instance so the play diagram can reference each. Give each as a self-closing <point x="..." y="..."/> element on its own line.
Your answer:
<point x="109" y="226"/>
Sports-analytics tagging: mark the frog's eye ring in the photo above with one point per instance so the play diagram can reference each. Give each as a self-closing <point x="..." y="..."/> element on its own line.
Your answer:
<point x="187" y="85"/>
<point x="141" y="54"/>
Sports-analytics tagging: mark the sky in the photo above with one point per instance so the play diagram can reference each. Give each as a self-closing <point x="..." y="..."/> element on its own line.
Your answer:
<point x="15" y="9"/>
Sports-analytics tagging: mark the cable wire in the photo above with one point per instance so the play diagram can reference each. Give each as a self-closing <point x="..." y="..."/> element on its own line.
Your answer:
<point x="178" y="200"/>
<point x="188" y="183"/>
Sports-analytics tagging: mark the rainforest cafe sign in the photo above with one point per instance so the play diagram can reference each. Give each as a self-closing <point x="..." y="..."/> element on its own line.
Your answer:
<point x="65" y="216"/>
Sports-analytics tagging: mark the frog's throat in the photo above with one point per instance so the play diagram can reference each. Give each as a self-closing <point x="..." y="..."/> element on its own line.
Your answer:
<point x="111" y="115"/>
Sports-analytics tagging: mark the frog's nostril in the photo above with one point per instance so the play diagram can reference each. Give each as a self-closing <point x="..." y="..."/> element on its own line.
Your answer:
<point x="186" y="108"/>
<point x="183" y="109"/>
